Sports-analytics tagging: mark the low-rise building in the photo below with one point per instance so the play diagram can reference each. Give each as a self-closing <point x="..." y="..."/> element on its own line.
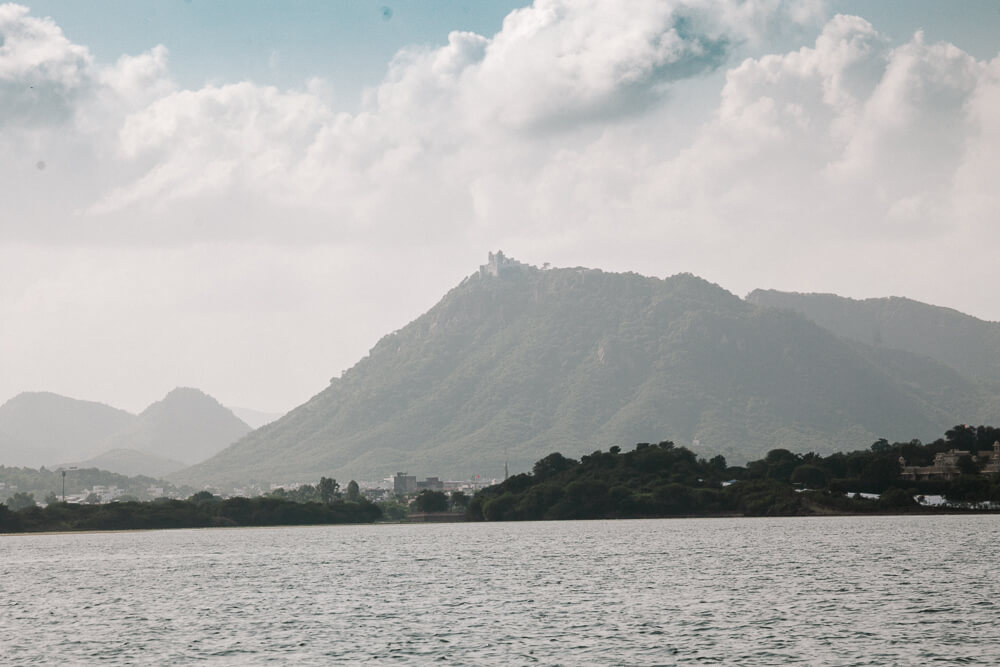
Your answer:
<point x="431" y="483"/>
<point x="946" y="464"/>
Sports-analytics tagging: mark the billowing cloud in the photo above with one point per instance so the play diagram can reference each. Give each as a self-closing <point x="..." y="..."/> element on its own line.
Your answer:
<point x="42" y="73"/>
<point x="631" y="136"/>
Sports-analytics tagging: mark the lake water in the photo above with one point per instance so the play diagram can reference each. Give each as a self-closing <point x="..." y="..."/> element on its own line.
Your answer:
<point x="816" y="591"/>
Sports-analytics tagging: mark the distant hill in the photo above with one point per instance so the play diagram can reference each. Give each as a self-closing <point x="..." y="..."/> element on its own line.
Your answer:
<point x="39" y="428"/>
<point x="129" y="462"/>
<point x="187" y="426"/>
<point x="519" y="362"/>
<point x="969" y="345"/>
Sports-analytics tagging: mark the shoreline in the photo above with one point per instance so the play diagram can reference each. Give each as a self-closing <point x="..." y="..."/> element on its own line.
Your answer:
<point x="928" y="512"/>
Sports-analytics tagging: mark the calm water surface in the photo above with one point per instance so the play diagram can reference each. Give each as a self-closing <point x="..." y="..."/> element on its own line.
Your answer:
<point x="816" y="591"/>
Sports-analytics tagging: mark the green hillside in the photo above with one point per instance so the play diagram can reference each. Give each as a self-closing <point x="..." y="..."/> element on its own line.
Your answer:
<point x="532" y="361"/>
<point x="969" y="345"/>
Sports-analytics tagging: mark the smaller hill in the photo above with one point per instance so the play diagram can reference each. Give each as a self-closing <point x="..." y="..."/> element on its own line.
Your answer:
<point x="130" y="462"/>
<point x="967" y="344"/>
<point x="186" y="426"/>
<point x="37" y="428"/>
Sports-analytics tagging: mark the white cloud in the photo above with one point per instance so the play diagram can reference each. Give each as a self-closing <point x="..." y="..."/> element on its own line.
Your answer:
<point x="581" y="133"/>
<point x="442" y="120"/>
<point x="41" y="72"/>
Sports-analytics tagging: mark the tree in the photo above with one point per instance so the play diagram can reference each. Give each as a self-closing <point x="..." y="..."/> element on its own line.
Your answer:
<point x="459" y="500"/>
<point x="203" y="498"/>
<point x="431" y="501"/>
<point x="881" y="446"/>
<point x="962" y="437"/>
<point x="328" y="489"/>
<point x="552" y="465"/>
<point x="879" y="474"/>
<point x="809" y="476"/>
<point x="893" y="498"/>
<point x="353" y="492"/>
<point x="781" y="463"/>
<point x="51" y="498"/>
<point x="967" y="465"/>
<point x="21" y="500"/>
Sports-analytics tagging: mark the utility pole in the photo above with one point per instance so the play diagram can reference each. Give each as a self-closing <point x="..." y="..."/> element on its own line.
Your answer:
<point x="63" y="471"/>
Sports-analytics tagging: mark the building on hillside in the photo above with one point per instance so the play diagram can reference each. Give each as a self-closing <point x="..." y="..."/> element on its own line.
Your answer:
<point x="497" y="263"/>
<point x="991" y="461"/>
<point x="946" y="466"/>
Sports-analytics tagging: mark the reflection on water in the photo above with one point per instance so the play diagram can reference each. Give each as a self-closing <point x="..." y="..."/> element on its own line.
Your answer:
<point x="844" y="591"/>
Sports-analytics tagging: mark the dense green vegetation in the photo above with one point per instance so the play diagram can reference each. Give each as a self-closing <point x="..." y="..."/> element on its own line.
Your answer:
<point x="572" y="360"/>
<point x="666" y="480"/>
<point x="200" y="510"/>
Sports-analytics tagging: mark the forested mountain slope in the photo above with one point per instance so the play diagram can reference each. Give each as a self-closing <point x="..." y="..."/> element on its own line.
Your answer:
<point x="520" y="362"/>
<point x="969" y="345"/>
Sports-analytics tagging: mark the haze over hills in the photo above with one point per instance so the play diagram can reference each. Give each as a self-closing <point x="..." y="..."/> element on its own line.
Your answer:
<point x="130" y="462"/>
<point x="969" y="345"/>
<point x="519" y="362"/>
<point x="39" y="428"/>
<point x="254" y="418"/>
<point x="185" y="427"/>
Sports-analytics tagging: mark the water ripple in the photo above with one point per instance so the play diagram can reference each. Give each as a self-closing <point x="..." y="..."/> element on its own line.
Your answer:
<point x="814" y="591"/>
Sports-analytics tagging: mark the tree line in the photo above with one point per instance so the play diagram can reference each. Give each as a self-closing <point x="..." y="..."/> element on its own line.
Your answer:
<point x="203" y="509"/>
<point x="657" y="480"/>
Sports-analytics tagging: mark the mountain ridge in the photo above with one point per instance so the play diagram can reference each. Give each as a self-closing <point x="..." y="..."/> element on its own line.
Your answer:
<point x="968" y="344"/>
<point x="517" y="362"/>
<point x="44" y="428"/>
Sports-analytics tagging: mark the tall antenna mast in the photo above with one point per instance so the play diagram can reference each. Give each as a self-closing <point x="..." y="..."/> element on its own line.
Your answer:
<point x="506" y="468"/>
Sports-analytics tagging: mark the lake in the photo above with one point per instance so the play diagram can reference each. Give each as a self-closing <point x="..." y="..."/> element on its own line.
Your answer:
<point x="816" y="591"/>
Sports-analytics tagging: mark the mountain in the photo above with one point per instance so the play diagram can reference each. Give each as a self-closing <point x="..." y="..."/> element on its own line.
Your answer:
<point x="517" y="362"/>
<point x="130" y="462"/>
<point x="39" y="428"/>
<point x="187" y="426"/>
<point x="969" y="345"/>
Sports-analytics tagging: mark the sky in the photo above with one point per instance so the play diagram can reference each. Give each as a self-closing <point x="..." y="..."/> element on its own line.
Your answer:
<point x="244" y="196"/>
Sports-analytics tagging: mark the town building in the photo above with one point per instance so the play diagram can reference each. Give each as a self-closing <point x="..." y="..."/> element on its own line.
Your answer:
<point x="431" y="483"/>
<point x="403" y="483"/>
<point x="946" y="464"/>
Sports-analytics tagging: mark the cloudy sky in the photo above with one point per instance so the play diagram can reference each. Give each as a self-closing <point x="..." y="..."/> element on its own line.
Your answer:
<point x="244" y="196"/>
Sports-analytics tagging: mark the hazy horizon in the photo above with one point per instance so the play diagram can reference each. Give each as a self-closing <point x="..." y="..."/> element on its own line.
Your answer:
<point x="244" y="197"/>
